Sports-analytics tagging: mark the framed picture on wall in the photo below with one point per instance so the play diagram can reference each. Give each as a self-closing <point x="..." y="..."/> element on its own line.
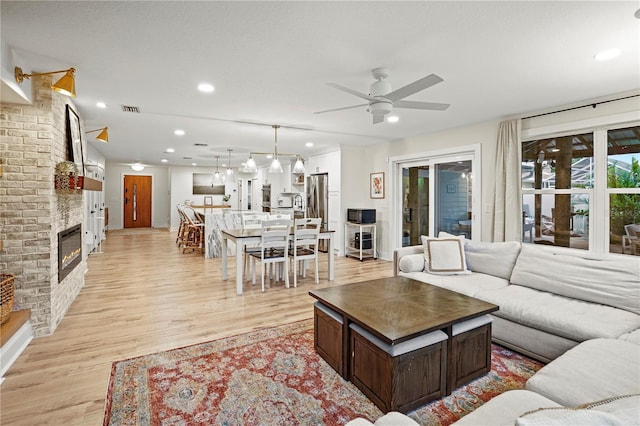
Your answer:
<point x="208" y="201"/>
<point x="74" y="139"/>
<point x="376" y="185"/>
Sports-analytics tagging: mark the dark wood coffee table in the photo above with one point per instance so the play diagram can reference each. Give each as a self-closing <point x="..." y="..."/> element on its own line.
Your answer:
<point x="399" y="309"/>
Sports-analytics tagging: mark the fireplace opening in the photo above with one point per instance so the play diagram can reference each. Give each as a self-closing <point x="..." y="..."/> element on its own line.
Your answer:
<point x="69" y="250"/>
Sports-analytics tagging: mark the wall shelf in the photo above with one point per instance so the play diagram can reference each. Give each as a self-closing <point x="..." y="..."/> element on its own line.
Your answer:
<point x="83" y="183"/>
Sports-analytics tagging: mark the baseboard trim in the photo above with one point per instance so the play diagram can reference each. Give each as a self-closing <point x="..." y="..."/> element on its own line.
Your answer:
<point x="12" y="349"/>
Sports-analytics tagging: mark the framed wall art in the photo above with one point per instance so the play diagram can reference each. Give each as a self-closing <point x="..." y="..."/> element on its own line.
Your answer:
<point x="74" y="139"/>
<point x="376" y="185"/>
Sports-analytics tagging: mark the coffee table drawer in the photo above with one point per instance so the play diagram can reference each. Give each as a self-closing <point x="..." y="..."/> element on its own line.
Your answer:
<point x="328" y="335"/>
<point x="399" y="377"/>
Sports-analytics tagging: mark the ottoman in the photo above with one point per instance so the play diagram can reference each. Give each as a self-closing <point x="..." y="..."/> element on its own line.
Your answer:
<point x="398" y="377"/>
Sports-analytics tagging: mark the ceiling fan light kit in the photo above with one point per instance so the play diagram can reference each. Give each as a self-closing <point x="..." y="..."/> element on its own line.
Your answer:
<point x="382" y="99"/>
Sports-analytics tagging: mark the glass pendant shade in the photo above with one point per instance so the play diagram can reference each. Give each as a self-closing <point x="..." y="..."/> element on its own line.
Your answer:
<point x="250" y="166"/>
<point x="298" y="167"/>
<point x="275" y="166"/>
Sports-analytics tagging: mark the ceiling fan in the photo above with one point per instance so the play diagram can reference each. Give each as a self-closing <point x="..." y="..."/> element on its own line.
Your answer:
<point x="382" y="100"/>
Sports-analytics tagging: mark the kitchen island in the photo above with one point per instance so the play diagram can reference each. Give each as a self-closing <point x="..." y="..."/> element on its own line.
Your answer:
<point x="214" y="222"/>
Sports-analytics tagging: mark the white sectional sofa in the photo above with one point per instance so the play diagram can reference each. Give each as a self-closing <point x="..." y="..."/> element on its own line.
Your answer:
<point x="550" y="298"/>
<point x="580" y="314"/>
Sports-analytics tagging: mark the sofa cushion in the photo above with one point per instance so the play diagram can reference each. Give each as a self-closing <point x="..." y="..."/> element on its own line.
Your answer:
<point x="617" y="411"/>
<point x="632" y="337"/>
<point x="574" y="319"/>
<point x="504" y="409"/>
<point x="613" y="282"/>
<point x="497" y="259"/>
<point x="444" y="256"/>
<point x="468" y="285"/>
<point x="411" y="263"/>
<point x="594" y="370"/>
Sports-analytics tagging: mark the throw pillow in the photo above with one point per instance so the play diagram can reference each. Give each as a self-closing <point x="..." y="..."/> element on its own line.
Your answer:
<point x="411" y="263"/>
<point x="445" y="256"/>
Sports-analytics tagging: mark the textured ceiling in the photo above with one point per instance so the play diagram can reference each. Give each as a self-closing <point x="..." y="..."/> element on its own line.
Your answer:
<point x="270" y="62"/>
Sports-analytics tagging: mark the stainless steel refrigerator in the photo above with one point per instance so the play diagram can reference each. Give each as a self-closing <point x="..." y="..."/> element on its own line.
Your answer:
<point x="318" y="202"/>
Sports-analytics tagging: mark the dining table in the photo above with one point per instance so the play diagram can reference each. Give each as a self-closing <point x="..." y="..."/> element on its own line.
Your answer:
<point x="244" y="237"/>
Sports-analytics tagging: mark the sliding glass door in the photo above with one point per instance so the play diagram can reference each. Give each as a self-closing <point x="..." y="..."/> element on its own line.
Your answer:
<point x="435" y="194"/>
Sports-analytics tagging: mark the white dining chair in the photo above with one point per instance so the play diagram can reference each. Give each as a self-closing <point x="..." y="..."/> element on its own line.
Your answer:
<point x="274" y="244"/>
<point x="251" y="220"/>
<point x="304" y="246"/>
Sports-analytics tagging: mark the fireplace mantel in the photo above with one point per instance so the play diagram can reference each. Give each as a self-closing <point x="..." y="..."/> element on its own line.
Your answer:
<point x="83" y="183"/>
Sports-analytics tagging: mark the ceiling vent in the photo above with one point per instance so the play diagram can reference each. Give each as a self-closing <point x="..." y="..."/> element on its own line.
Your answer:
<point x="187" y="158"/>
<point x="135" y="109"/>
<point x="200" y="144"/>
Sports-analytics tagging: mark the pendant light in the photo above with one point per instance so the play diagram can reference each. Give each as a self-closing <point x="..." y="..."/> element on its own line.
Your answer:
<point x="216" y="176"/>
<point x="275" y="166"/>
<point x="250" y="166"/>
<point x="229" y="169"/>
<point x="298" y="167"/>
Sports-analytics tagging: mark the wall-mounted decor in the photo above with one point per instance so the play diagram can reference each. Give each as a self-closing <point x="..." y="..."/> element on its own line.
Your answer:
<point x="74" y="139"/>
<point x="203" y="183"/>
<point x="376" y="185"/>
<point x="208" y="201"/>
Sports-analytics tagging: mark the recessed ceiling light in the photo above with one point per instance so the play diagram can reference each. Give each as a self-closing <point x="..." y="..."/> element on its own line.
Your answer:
<point x="308" y="144"/>
<point x="101" y="105"/>
<point x="194" y="164"/>
<point x="170" y="150"/>
<point x="393" y="119"/>
<point x="607" y="55"/>
<point x="269" y="156"/>
<point x="205" y="87"/>
<point x="164" y="160"/>
<point x="179" y="132"/>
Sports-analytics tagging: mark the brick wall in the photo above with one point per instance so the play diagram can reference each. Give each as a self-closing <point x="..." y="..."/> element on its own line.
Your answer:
<point x="32" y="142"/>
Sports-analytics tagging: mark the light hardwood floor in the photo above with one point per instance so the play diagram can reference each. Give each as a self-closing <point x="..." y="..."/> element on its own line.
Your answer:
<point x="143" y="296"/>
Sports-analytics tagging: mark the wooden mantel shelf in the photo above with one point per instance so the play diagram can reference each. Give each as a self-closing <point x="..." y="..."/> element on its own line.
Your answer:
<point x="83" y="183"/>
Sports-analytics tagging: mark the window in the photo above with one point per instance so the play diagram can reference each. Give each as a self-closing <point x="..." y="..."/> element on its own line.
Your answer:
<point x="623" y="189"/>
<point x="572" y="181"/>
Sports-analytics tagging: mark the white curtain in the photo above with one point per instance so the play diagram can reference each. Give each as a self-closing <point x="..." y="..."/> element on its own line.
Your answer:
<point x="507" y="214"/>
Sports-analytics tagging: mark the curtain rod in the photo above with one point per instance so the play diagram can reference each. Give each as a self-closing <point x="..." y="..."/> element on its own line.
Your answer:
<point x="593" y="105"/>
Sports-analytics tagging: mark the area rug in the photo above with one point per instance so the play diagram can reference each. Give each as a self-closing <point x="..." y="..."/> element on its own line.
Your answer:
<point x="273" y="377"/>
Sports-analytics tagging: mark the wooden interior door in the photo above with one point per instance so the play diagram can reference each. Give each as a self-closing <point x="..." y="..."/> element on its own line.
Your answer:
<point x="137" y="201"/>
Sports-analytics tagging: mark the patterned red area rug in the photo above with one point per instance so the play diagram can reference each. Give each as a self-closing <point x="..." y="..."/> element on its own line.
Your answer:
<point x="272" y="377"/>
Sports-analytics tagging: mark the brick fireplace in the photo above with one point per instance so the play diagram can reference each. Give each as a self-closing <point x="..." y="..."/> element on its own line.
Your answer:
<point x="32" y="142"/>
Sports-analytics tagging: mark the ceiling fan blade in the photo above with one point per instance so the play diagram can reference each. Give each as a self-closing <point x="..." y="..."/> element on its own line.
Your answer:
<point x="340" y="109"/>
<point x="421" y="105"/>
<point x="353" y="92"/>
<point x="379" y="118"/>
<point x="414" y="87"/>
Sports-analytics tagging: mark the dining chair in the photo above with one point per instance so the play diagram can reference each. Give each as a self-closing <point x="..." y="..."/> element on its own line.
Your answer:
<point x="183" y="225"/>
<point x="304" y="246"/>
<point x="251" y="220"/>
<point x="274" y="243"/>
<point x="279" y="216"/>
